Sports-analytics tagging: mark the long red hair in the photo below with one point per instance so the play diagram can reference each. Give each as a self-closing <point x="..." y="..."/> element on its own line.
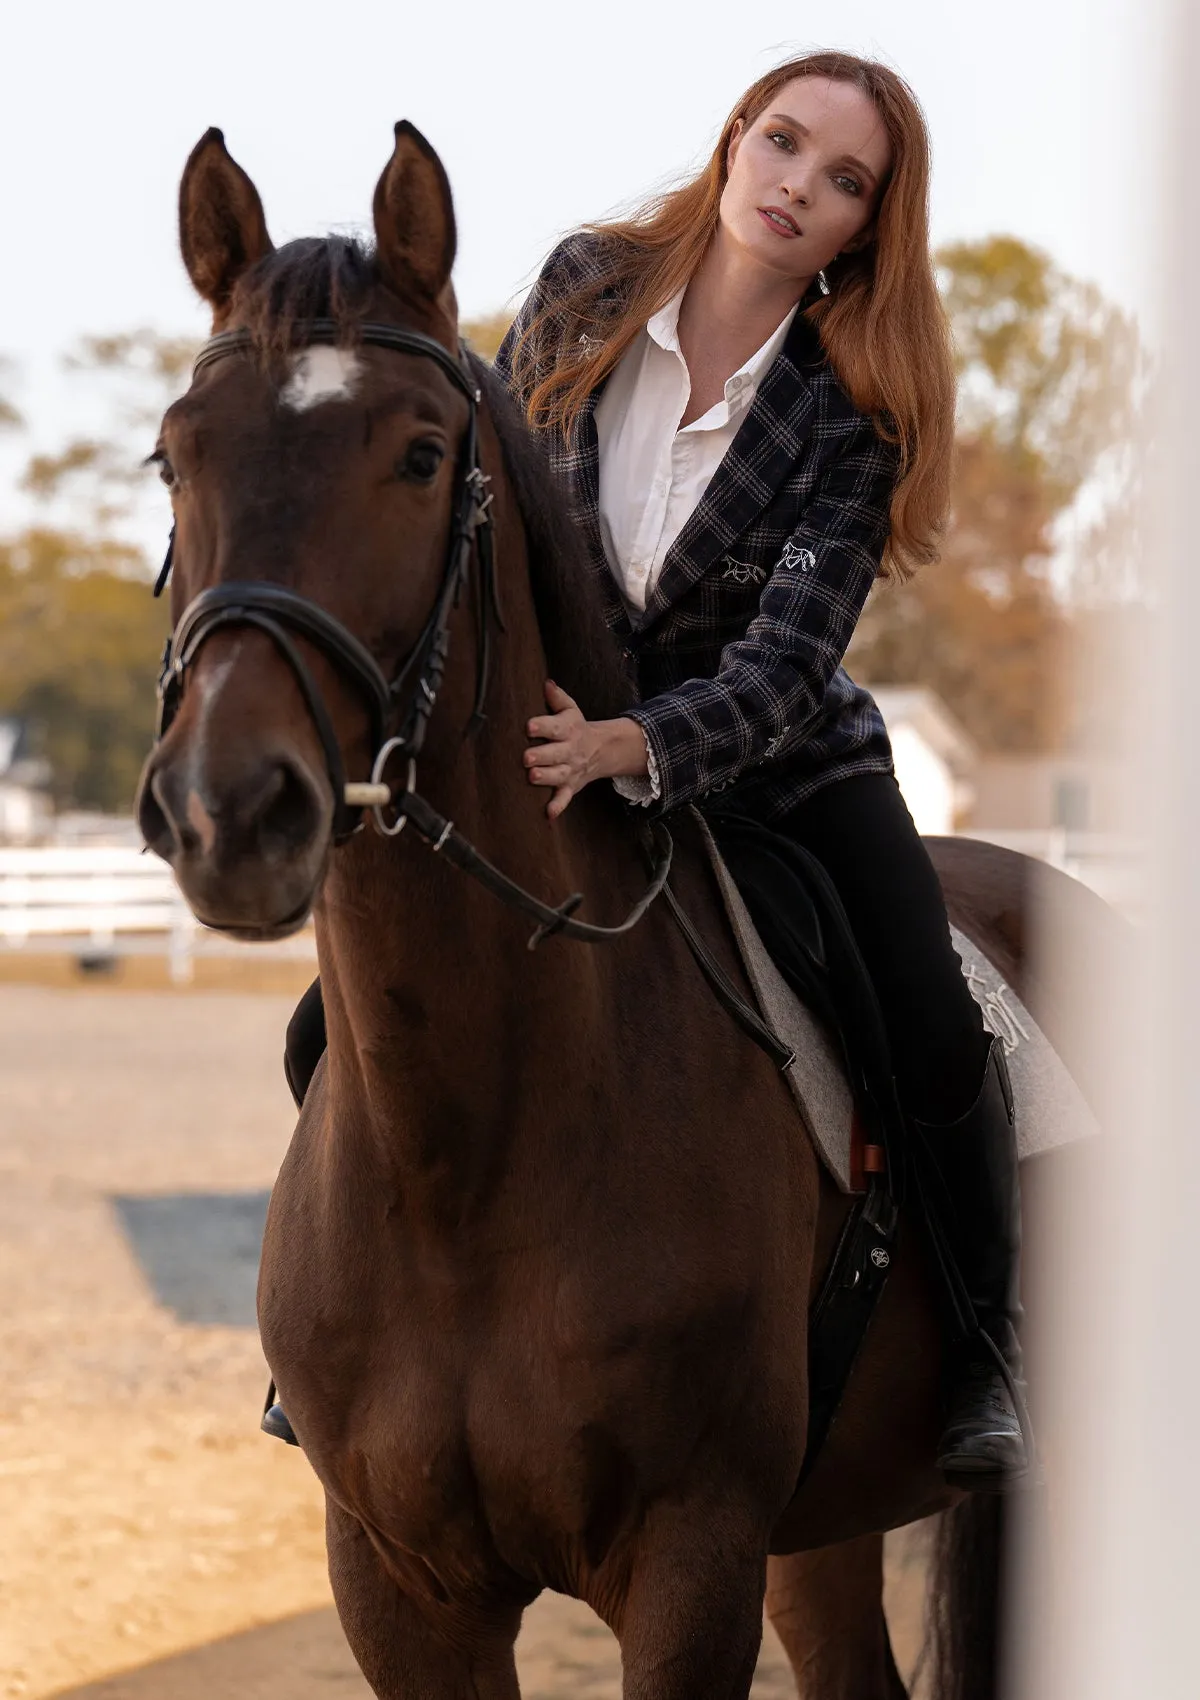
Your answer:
<point x="882" y="325"/>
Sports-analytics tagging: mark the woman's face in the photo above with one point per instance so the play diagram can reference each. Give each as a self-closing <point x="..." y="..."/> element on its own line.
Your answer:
<point x="806" y="176"/>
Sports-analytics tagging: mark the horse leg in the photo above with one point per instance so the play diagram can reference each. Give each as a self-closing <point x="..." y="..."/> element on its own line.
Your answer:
<point x="691" y="1623"/>
<point x="398" y="1650"/>
<point x="827" y="1609"/>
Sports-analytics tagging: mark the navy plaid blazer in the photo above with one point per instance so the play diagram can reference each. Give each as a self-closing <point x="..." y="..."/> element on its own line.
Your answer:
<point x="737" y="658"/>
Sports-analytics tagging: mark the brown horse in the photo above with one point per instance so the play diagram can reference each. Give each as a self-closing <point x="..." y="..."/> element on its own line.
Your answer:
<point x="536" y="1272"/>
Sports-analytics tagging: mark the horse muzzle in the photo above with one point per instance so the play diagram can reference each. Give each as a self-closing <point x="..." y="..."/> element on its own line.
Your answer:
<point x="247" y="838"/>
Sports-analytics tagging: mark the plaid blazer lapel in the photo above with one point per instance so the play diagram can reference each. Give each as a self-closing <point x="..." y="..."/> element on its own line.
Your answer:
<point x="585" y="476"/>
<point x="768" y="443"/>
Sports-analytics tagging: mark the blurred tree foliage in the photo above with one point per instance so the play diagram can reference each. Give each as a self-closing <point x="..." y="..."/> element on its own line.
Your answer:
<point x="80" y="638"/>
<point x="103" y="475"/>
<point x="485" y="335"/>
<point x="9" y="413"/>
<point x="1051" y="378"/>
<point x="80" y="634"/>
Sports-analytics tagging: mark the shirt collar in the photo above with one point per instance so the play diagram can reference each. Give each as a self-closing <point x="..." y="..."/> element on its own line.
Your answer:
<point x="663" y="329"/>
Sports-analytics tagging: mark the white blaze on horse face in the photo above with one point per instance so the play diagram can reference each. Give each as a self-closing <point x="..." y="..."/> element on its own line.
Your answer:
<point x="321" y="374"/>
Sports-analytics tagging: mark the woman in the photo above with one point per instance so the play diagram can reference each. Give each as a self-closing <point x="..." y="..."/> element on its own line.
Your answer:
<point x="748" y="390"/>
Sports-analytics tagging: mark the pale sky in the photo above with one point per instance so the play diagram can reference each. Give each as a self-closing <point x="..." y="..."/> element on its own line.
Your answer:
<point x="1043" y="116"/>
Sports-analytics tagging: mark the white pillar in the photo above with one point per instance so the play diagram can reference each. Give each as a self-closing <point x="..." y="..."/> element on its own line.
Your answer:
<point x="1126" y="1484"/>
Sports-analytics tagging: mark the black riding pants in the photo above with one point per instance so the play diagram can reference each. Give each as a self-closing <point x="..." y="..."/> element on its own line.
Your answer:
<point x="861" y="832"/>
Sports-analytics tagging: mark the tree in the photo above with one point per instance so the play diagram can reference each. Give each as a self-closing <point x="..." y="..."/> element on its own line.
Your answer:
<point x="1051" y="378"/>
<point x="487" y="333"/>
<point x="80" y="634"/>
<point x="10" y="416"/>
<point x="80" y="639"/>
<point x="103" y="476"/>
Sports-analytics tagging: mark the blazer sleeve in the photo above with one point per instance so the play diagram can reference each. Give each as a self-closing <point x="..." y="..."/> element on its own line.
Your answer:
<point x="771" y="683"/>
<point x="576" y="259"/>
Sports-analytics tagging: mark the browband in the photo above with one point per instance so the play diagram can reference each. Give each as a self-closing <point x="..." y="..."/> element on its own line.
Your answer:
<point x="328" y="334"/>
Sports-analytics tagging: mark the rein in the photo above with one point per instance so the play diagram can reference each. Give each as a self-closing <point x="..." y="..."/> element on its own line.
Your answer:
<point x="408" y="699"/>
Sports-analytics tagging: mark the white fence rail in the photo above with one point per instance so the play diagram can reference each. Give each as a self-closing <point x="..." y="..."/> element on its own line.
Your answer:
<point x="100" y="903"/>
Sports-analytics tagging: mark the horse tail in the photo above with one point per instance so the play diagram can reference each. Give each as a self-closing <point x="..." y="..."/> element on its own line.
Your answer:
<point x="964" y="1637"/>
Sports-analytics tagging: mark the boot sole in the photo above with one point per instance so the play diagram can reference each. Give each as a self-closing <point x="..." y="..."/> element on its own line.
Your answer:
<point x="986" y="1480"/>
<point x="278" y="1433"/>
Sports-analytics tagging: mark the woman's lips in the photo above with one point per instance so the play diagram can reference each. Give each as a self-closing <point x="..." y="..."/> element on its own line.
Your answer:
<point x="783" y="224"/>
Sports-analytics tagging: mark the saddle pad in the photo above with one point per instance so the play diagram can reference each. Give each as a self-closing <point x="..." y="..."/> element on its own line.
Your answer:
<point x="1050" y="1108"/>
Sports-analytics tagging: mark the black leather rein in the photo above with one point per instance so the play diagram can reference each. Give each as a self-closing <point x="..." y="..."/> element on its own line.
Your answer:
<point x="408" y="700"/>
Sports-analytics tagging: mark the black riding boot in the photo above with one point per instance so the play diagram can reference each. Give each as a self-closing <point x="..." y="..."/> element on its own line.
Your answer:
<point x="975" y="1197"/>
<point x="303" y="1051"/>
<point x="274" y="1420"/>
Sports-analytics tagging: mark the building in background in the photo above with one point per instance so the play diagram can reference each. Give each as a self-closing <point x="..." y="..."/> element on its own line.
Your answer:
<point x="25" y="807"/>
<point x="935" y="759"/>
<point x="1071" y="792"/>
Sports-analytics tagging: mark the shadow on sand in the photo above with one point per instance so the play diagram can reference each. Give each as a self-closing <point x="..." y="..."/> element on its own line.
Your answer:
<point x="304" y="1658"/>
<point x="564" y="1653"/>
<point x="198" y="1251"/>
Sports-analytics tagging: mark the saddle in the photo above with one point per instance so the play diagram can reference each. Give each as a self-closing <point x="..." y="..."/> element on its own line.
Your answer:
<point x="814" y="993"/>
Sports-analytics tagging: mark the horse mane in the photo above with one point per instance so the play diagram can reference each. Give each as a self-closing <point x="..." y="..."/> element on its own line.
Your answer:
<point x="580" y="648"/>
<point x="316" y="277"/>
<point x="335" y="277"/>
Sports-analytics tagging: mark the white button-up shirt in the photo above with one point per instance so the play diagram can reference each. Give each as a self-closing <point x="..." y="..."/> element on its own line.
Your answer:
<point x="652" y="474"/>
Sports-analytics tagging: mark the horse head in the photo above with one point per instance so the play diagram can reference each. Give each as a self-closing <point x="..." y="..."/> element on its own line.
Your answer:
<point x="316" y="471"/>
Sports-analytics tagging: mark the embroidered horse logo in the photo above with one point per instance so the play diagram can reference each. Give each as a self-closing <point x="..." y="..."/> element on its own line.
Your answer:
<point x="998" y="1017"/>
<point x="796" y="559"/>
<point x="743" y="572"/>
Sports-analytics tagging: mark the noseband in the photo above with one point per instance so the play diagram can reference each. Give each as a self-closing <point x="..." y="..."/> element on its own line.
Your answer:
<point x="406" y="701"/>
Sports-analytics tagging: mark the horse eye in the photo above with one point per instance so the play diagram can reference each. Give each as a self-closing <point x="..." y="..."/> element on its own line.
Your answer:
<point x="422" y="461"/>
<point x="165" y="470"/>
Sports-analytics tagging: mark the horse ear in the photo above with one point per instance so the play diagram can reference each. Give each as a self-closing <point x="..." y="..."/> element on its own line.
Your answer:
<point x="222" y="226"/>
<point x="415" y="233"/>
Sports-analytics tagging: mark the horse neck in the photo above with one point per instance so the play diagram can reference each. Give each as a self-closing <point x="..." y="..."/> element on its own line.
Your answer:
<point x="444" y="1029"/>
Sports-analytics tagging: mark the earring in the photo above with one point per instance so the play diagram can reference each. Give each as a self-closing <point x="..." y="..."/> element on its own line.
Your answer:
<point x="823" y="283"/>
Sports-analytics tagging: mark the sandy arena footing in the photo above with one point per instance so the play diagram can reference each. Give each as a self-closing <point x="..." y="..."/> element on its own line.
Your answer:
<point x="154" y="1546"/>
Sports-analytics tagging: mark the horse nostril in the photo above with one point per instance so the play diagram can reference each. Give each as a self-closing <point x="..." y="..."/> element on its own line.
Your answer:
<point x="162" y="830"/>
<point x="292" y="815"/>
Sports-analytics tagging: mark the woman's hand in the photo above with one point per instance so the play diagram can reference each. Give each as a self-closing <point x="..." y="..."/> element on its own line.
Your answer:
<point x="576" y="750"/>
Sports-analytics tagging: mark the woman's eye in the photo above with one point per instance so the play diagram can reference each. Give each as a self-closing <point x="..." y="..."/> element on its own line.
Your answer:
<point x="781" y="140"/>
<point x="849" y="184"/>
<point x="422" y="461"/>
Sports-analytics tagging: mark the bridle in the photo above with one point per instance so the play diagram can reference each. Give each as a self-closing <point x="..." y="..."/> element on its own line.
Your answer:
<point x="399" y="709"/>
<point x="272" y="608"/>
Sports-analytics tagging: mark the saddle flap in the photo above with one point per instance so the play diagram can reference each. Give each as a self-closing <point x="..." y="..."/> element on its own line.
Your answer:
<point x="1050" y="1108"/>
